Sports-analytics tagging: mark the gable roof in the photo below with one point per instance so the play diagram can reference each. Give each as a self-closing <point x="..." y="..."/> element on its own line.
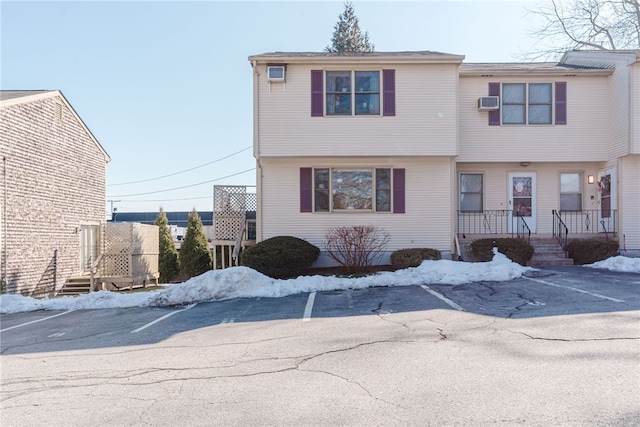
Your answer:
<point x="15" y="97"/>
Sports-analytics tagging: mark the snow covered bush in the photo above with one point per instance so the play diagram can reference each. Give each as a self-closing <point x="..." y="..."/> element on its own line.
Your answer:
<point x="413" y="257"/>
<point x="280" y="257"/>
<point x="517" y="250"/>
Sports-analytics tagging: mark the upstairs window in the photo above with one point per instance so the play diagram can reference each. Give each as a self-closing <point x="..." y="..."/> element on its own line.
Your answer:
<point x="353" y="93"/>
<point x="350" y="92"/>
<point x="529" y="104"/>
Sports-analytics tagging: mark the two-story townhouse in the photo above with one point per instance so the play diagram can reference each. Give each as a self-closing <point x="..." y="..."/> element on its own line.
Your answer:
<point x="357" y="139"/>
<point x="430" y="148"/>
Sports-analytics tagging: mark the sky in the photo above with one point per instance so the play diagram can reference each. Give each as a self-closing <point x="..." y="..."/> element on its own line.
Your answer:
<point x="243" y="282"/>
<point x="166" y="86"/>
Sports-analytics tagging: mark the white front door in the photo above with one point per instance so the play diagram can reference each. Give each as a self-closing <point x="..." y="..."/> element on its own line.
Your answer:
<point x="522" y="199"/>
<point x="88" y="245"/>
<point x="606" y="183"/>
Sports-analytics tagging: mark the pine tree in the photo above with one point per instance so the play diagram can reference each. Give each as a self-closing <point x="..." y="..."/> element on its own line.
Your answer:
<point x="195" y="256"/>
<point x="347" y="36"/>
<point x="168" y="258"/>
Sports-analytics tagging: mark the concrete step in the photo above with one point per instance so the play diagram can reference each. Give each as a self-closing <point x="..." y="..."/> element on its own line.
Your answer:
<point x="549" y="262"/>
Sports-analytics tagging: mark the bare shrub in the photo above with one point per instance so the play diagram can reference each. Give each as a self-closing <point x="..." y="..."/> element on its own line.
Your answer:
<point x="356" y="247"/>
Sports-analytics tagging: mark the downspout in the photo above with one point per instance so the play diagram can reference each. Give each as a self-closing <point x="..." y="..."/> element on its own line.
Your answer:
<point x="256" y="149"/>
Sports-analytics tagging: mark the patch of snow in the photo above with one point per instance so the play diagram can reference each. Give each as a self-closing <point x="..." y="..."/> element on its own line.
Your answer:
<point x="243" y="282"/>
<point x="618" y="263"/>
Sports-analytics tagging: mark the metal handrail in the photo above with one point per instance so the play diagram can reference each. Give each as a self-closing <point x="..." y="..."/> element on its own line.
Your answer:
<point x="522" y="225"/>
<point x="558" y="227"/>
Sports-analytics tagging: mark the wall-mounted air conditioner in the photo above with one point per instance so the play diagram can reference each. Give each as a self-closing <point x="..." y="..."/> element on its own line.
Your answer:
<point x="275" y="73"/>
<point x="489" y="103"/>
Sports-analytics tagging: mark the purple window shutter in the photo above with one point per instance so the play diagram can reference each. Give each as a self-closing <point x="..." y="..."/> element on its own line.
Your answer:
<point x="398" y="191"/>
<point x="316" y="93"/>
<point x="389" y="92"/>
<point x="494" y="115"/>
<point x="306" y="189"/>
<point x="561" y="103"/>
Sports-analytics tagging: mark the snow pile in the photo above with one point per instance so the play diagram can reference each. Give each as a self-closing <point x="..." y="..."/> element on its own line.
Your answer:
<point x="618" y="263"/>
<point x="243" y="282"/>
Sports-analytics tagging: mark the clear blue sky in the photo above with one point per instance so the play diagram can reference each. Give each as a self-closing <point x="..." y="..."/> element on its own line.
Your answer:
<point x="166" y="86"/>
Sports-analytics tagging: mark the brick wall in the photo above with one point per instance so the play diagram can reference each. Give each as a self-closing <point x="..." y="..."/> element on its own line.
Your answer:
<point x="52" y="180"/>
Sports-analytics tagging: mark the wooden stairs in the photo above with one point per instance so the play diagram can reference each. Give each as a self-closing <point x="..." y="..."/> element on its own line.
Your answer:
<point x="75" y="286"/>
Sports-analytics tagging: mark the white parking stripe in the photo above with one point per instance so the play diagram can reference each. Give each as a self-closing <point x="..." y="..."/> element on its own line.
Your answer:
<point x="160" y="319"/>
<point x="574" y="289"/>
<point x="307" y="310"/>
<point x="36" y="321"/>
<point x="442" y="297"/>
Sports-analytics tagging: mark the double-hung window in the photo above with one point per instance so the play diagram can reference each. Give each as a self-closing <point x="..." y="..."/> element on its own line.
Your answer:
<point x="570" y="192"/>
<point x="471" y="192"/>
<point x="353" y="92"/>
<point x="524" y="103"/>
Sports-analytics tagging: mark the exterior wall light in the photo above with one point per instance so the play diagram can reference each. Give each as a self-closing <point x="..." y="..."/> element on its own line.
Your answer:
<point x="525" y="164"/>
<point x="591" y="179"/>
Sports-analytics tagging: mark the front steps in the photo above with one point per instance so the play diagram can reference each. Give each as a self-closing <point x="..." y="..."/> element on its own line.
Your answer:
<point x="76" y="286"/>
<point x="547" y="253"/>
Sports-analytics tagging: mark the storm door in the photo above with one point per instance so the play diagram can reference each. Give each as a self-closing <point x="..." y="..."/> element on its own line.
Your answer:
<point x="522" y="199"/>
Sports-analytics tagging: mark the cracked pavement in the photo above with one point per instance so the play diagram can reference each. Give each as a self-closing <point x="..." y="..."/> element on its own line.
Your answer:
<point x="520" y="353"/>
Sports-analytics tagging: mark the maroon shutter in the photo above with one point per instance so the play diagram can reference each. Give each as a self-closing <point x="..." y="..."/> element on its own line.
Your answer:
<point x="398" y="191"/>
<point x="316" y="93"/>
<point x="561" y="103"/>
<point x="494" y="115"/>
<point x="389" y="92"/>
<point x="306" y="189"/>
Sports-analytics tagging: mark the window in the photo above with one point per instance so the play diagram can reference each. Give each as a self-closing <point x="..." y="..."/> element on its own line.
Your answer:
<point x="343" y="97"/>
<point x="570" y="192"/>
<point x="350" y="93"/>
<point x="532" y="103"/>
<point x="471" y="187"/>
<point x="353" y="189"/>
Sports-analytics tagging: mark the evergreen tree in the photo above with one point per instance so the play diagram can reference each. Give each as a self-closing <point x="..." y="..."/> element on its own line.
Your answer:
<point x="195" y="256"/>
<point x="168" y="257"/>
<point x="347" y="36"/>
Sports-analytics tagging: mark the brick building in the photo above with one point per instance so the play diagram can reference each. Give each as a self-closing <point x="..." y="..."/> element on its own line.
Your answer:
<point x="52" y="192"/>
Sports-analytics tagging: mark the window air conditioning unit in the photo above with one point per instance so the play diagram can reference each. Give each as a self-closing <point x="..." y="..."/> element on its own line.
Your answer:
<point x="489" y="103"/>
<point x="275" y="73"/>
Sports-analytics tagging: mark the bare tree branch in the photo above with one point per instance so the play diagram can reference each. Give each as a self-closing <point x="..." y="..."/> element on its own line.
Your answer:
<point x="584" y="24"/>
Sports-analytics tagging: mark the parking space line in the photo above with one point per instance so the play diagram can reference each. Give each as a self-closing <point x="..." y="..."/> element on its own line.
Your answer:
<point x="160" y="319"/>
<point x="36" y="321"/>
<point x="442" y="297"/>
<point x="571" y="288"/>
<point x="307" y="310"/>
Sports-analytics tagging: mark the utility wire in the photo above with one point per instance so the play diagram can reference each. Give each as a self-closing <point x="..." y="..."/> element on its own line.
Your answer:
<point x="183" y="171"/>
<point x="185" y="186"/>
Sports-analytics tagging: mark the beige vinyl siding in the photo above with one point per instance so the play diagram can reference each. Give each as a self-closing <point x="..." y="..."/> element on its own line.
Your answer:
<point x="496" y="189"/>
<point x="629" y="201"/>
<point x="584" y="138"/>
<point x="425" y="122"/>
<point x="619" y="113"/>
<point x="426" y="223"/>
<point x="635" y="108"/>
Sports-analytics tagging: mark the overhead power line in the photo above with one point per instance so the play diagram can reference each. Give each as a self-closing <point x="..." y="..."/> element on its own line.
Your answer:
<point x="182" y="171"/>
<point x="184" y="186"/>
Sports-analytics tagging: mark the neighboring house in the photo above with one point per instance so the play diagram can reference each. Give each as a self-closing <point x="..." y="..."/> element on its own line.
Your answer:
<point x="399" y="140"/>
<point x="53" y="193"/>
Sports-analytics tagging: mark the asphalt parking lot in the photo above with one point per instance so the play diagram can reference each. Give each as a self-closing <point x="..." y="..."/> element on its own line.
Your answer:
<point x="560" y="347"/>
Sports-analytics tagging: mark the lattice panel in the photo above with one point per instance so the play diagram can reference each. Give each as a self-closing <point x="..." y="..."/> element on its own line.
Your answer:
<point x="116" y="265"/>
<point x="229" y="210"/>
<point x="117" y="239"/>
